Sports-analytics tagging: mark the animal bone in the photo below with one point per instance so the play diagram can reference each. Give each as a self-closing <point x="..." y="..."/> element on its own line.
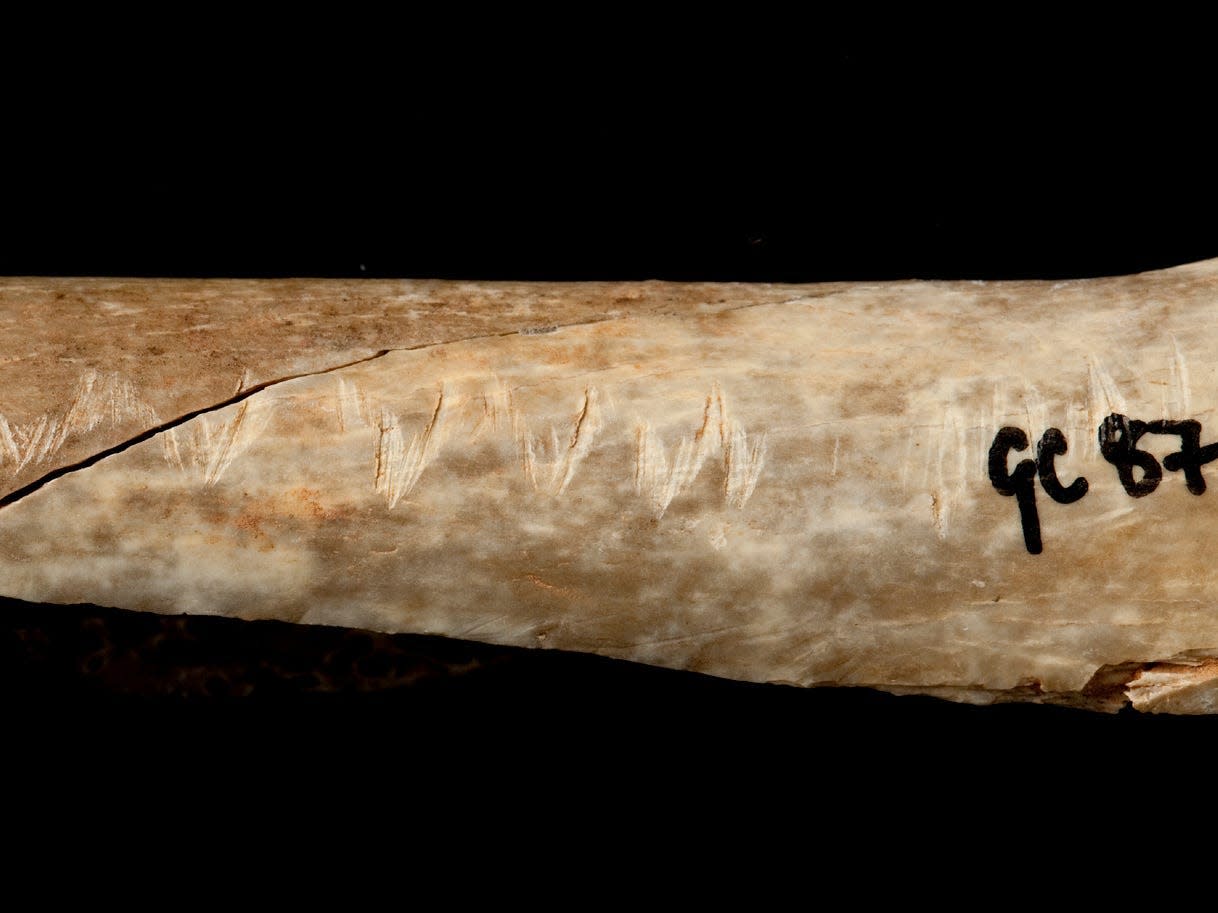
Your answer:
<point x="983" y="491"/>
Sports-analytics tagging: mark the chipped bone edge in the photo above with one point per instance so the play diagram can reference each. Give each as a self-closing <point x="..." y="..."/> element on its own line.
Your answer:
<point x="1184" y="684"/>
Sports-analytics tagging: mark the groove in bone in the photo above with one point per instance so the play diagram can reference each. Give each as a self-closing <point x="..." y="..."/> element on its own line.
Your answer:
<point x="351" y="405"/>
<point x="1181" y="390"/>
<point x="497" y="408"/>
<point x="1106" y="398"/>
<point x="950" y="485"/>
<point x="243" y="381"/>
<point x="209" y="445"/>
<point x="398" y="465"/>
<point x="660" y="478"/>
<point x="96" y="399"/>
<point x="552" y="464"/>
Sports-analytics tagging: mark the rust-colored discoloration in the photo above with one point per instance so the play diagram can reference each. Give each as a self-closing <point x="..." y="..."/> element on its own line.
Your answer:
<point x="309" y="500"/>
<point x="250" y="521"/>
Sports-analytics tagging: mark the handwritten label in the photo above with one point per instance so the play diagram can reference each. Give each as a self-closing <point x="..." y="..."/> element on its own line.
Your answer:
<point x="1119" y="436"/>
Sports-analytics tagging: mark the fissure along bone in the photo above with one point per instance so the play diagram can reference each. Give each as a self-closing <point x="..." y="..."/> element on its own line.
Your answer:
<point x="984" y="491"/>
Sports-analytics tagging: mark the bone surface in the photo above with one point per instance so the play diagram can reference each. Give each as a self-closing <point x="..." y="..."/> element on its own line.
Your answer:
<point x="849" y="484"/>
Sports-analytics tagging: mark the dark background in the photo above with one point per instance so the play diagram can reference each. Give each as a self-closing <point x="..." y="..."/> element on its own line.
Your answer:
<point x="744" y="154"/>
<point x="734" y="153"/>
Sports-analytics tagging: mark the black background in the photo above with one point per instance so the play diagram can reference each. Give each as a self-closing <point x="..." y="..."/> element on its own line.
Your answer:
<point x="758" y="153"/>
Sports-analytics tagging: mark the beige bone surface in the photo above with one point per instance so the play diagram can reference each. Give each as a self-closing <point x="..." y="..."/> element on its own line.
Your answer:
<point x="770" y="483"/>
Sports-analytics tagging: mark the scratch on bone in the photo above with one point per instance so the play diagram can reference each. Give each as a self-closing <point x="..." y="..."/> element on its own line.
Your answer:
<point x="7" y="443"/>
<point x="582" y="436"/>
<point x="1105" y="397"/>
<point x="742" y="462"/>
<point x="243" y="381"/>
<point x="950" y="483"/>
<point x="910" y="444"/>
<point x="398" y="466"/>
<point x="209" y="446"/>
<point x="172" y="448"/>
<point x="1180" y="380"/>
<point x="661" y="481"/>
<point x="1036" y="410"/>
<point x="222" y="448"/>
<point x="11" y="439"/>
<point x="496" y="405"/>
<point x="96" y="399"/>
<point x="351" y="405"/>
<point x="562" y="459"/>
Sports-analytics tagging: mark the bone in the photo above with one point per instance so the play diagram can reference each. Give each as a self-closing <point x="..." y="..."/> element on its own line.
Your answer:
<point x="768" y="483"/>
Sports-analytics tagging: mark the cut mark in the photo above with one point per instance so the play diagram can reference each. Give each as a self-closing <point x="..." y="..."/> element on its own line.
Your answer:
<point x="210" y="449"/>
<point x="660" y="479"/>
<point x="351" y="405"/>
<point x="1182" y="388"/>
<point x="96" y="399"/>
<point x="149" y="433"/>
<point x="562" y="460"/>
<point x="11" y="437"/>
<point x="398" y="466"/>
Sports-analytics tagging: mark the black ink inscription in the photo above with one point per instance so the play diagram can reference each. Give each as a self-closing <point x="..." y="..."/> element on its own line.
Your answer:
<point x="1019" y="483"/>
<point x="1119" y="436"/>
<point x="1191" y="456"/>
<point x="1053" y="444"/>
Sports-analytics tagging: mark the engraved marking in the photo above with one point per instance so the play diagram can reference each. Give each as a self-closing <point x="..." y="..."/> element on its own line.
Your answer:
<point x="351" y="405"/>
<point x="223" y="450"/>
<point x="9" y="445"/>
<point x="167" y="427"/>
<point x="398" y="467"/>
<point x="170" y="450"/>
<point x="562" y="460"/>
<point x="209" y="446"/>
<point x="742" y="463"/>
<point x="243" y="381"/>
<point x="1105" y="398"/>
<point x="95" y="399"/>
<point x="742" y="458"/>
<point x="496" y="405"/>
<point x="1180" y="382"/>
<point x="586" y="427"/>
